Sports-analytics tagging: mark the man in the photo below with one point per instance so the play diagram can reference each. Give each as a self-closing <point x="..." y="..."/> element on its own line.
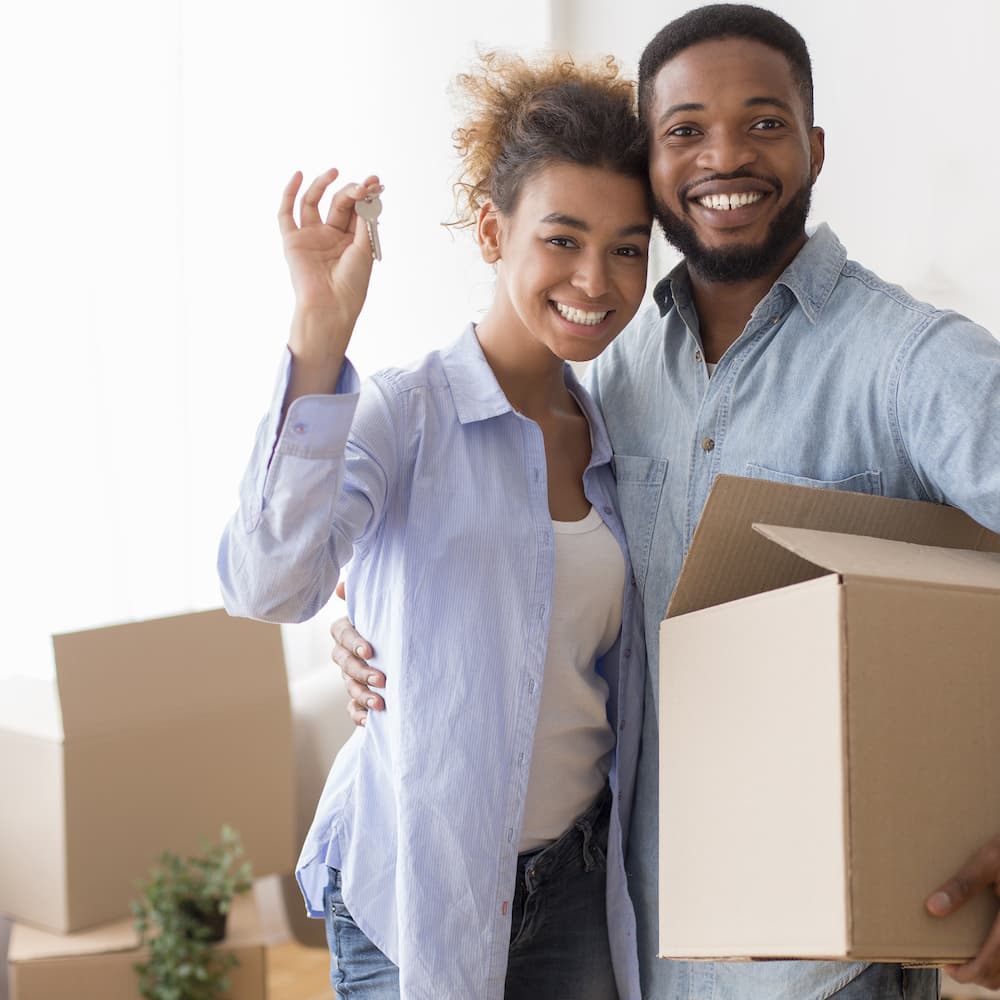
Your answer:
<point x="769" y="354"/>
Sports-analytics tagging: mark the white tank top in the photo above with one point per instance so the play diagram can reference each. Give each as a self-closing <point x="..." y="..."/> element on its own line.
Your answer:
<point x="573" y="739"/>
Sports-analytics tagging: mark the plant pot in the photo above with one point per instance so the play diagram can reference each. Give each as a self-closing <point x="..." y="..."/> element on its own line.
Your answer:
<point x="208" y="922"/>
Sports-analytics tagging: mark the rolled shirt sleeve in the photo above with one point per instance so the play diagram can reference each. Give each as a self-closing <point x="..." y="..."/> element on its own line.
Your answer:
<point x="309" y="495"/>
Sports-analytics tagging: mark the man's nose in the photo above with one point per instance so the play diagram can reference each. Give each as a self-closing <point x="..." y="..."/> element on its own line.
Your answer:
<point x="726" y="151"/>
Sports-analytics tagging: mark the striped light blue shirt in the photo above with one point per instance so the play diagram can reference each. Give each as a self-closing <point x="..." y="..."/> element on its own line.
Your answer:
<point x="437" y="487"/>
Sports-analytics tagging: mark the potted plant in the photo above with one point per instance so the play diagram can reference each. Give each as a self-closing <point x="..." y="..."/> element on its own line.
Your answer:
<point x="182" y="912"/>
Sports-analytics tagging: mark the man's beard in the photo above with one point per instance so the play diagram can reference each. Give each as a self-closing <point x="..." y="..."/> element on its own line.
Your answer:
<point x="742" y="262"/>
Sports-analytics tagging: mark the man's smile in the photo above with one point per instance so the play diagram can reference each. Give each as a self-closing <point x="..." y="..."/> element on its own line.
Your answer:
<point x="727" y="202"/>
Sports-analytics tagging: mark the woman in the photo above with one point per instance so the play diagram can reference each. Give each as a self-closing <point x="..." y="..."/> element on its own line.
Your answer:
<point x="460" y="853"/>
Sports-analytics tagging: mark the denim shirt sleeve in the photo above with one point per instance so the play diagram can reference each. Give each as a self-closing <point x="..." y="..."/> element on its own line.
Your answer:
<point x="309" y="496"/>
<point x="947" y="414"/>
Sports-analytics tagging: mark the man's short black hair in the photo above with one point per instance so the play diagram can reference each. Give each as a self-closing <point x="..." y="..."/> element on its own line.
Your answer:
<point x="726" y="20"/>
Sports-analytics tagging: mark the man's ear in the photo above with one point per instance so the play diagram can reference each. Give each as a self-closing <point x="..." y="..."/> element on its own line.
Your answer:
<point x="488" y="230"/>
<point x="817" y="149"/>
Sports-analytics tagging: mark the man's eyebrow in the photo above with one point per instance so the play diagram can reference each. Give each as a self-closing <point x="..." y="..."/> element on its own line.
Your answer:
<point x="750" y="102"/>
<point x="674" y="108"/>
<point x="777" y="102"/>
<point x="561" y="219"/>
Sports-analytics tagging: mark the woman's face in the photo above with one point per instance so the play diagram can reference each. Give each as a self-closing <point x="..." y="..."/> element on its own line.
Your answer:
<point x="571" y="258"/>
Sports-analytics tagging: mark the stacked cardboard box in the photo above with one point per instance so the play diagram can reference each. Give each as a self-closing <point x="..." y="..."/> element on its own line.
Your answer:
<point x="829" y="676"/>
<point x="100" y="963"/>
<point x="153" y="736"/>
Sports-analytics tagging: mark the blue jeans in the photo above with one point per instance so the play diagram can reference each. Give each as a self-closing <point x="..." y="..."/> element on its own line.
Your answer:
<point x="559" y="933"/>
<point x="891" y="982"/>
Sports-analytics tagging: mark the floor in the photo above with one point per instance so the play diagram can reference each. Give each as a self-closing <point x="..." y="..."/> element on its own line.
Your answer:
<point x="295" y="972"/>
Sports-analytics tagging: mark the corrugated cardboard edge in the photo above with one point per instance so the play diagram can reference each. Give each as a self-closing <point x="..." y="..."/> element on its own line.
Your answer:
<point x="728" y="560"/>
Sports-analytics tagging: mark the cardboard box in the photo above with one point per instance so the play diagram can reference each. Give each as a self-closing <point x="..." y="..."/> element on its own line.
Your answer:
<point x="154" y="736"/>
<point x="99" y="963"/>
<point x="828" y="727"/>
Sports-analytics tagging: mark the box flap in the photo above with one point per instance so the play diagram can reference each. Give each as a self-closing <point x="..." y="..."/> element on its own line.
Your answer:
<point x="728" y="559"/>
<point x="29" y="944"/>
<point x="883" y="559"/>
<point x="127" y="677"/>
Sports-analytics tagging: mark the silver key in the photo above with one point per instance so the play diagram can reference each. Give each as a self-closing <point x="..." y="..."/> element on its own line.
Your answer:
<point x="370" y="209"/>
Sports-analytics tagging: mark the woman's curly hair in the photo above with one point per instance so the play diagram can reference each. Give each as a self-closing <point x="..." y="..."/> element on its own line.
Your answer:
<point x="522" y="116"/>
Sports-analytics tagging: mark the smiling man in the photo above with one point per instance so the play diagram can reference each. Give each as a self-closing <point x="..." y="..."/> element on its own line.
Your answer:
<point x="769" y="354"/>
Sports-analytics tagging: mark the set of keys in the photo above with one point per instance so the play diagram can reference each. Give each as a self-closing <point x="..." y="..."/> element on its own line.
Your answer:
<point x="370" y="209"/>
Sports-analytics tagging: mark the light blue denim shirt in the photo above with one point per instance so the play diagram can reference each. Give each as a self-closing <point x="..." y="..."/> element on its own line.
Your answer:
<point x="839" y="381"/>
<point x="437" y="488"/>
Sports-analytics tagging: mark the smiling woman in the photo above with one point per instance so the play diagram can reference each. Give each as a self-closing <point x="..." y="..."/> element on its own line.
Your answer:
<point x="473" y="495"/>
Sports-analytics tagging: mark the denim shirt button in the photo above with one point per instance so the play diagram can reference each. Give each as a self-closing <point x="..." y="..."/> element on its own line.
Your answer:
<point x="697" y="355"/>
<point x="708" y="444"/>
<point x="608" y="509"/>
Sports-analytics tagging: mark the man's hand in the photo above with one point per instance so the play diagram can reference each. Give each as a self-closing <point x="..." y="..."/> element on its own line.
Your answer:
<point x="350" y="651"/>
<point x="981" y="871"/>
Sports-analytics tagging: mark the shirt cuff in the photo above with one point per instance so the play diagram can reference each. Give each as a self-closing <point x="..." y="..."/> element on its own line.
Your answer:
<point x="315" y="426"/>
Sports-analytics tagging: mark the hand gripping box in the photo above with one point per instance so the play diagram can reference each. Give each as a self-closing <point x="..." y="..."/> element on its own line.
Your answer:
<point x="99" y="963"/>
<point x="829" y="732"/>
<point x="155" y="735"/>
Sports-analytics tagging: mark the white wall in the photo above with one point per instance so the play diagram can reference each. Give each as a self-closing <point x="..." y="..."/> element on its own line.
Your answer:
<point x="907" y="94"/>
<point x="145" y="299"/>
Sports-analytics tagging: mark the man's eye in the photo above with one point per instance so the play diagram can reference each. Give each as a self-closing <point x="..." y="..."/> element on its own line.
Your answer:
<point x="769" y="124"/>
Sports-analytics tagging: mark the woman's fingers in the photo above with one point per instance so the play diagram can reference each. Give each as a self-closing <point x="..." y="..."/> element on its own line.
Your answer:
<point x="341" y="214"/>
<point x="309" y="209"/>
<point x="286" y="211"/>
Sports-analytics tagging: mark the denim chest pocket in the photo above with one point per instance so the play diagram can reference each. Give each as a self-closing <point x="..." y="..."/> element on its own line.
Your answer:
<point x="640" y="486"/>
<point x="869" y="482"/>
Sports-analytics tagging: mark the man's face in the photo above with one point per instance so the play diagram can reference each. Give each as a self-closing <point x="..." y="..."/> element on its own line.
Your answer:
<point x="732" y="158"/>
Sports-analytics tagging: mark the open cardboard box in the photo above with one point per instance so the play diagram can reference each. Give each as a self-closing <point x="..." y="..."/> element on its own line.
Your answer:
<point x="155" y="735"/>
<point x="829" y="684"/>
<point x="99" y="963"/>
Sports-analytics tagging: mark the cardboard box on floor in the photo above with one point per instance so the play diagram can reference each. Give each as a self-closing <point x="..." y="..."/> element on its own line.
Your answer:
<point x="99" y="963"/>
<point x="828" y="727"/>
<point x="159" y="733"/>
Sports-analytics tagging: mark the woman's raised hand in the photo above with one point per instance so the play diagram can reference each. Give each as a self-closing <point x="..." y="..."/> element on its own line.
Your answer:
<point x="330" y="263"/>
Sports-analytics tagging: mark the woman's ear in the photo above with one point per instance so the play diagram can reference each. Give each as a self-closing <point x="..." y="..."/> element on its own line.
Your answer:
<point x="488" y="228"/>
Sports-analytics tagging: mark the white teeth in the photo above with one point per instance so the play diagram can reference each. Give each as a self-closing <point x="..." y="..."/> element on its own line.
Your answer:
<point x="579" y="316"/>
<point x="725" y="202"/>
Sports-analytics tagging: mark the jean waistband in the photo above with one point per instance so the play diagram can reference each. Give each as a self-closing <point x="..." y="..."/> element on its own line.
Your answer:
<point x="587" y="835"/>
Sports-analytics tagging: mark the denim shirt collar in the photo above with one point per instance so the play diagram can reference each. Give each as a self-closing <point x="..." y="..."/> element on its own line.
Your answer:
<point x="810" y="277"/>
<point x="477" y="394"/>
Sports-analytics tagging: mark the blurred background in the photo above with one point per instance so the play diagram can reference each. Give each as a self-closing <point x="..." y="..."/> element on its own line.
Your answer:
<point x="145" y="303"/>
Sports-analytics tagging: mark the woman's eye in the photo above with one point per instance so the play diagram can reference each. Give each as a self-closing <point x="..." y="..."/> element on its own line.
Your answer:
<point x="560" y="241"/>
<point x="682" y="132"/>
<point x="628" y="252"/>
